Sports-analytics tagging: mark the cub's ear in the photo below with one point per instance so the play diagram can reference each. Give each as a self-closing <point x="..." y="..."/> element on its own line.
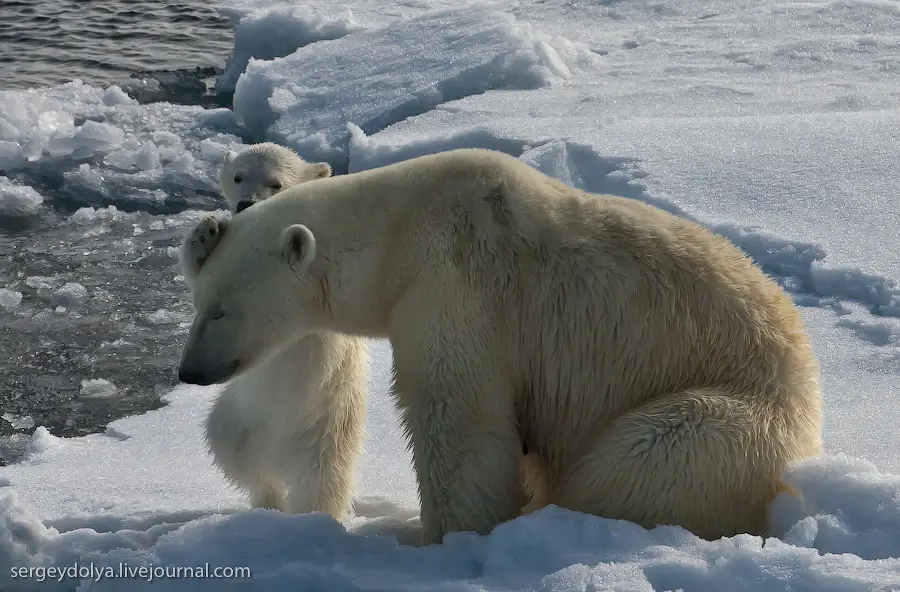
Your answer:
<point x="321" y="170"/>
<point x="225" y="167"/>
<point x="298" y="247"/>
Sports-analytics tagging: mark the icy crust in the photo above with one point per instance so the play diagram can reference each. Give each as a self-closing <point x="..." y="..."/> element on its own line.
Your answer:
<point x="277" y="32"/>
<point x="375" y="78"/>
<point x="93" y="146"/>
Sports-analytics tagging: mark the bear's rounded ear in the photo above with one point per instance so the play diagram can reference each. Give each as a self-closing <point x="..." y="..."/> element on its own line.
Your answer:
<point x="298" y="246"/>
<point x="322" y="170"/>
<point x="229" y="157"/>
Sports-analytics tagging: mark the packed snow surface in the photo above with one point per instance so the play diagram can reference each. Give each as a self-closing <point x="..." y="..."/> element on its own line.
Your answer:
<point x="774" y="123"/>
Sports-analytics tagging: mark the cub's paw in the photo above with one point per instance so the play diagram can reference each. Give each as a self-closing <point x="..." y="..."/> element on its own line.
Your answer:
<point x="202" y="241"/>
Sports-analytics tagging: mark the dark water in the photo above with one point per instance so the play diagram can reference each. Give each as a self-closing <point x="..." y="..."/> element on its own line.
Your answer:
<point x="101" y="297"/>
<point x="46" y="42"/>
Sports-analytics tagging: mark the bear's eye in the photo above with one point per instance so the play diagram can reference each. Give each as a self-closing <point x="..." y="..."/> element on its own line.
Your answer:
<point x="216" y="313"/>
<point x="238" y="178"/>
<point x="275" y="185"/>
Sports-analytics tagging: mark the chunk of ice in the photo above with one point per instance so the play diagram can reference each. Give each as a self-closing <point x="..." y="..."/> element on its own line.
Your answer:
<point x="9" y="298"/>
<point x="279" y="32"/>
<point x="162" y="317"/>
<point x="69" y="295"/>
<point x="376" y="78"/>
<point x="89" y="214"/>
<point x="19" y="422"/>
<point x="97" y="388"/>
<point x="114" y="95"/>
<point x="40" y="283"/>
<point x="17" y="200"/>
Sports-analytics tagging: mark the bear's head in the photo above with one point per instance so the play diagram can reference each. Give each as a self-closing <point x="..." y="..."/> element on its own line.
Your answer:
<point x="261" y="171"/>
<point x="254" y="296"/>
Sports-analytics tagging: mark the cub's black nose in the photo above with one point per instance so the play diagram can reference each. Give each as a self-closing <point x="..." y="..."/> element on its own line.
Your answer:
<point x="243" y="205"/>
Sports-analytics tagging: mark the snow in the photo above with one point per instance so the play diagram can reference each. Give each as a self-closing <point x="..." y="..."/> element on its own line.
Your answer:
<point x="774" y="123"/>
<point x="850" y="510"/>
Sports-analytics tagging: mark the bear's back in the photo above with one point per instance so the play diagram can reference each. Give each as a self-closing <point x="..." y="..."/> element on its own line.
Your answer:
<point x="588" y="285"/>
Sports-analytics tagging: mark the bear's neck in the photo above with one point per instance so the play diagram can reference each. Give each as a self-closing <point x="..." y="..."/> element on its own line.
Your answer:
<point x="364" y="268"/>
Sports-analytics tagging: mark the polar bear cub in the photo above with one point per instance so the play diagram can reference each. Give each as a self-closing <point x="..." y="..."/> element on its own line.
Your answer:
<point x="648" y="364"/>
<point x="288" y="432"/>
<point x="262" y="170"/>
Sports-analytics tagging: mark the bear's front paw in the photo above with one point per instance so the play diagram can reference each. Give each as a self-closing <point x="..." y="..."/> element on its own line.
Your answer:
<point x="203" y="239"/>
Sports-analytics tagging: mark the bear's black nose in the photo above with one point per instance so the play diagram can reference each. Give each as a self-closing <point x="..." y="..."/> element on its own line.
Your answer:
<point x="243" y="205"/>
<point x="189" y="376"/>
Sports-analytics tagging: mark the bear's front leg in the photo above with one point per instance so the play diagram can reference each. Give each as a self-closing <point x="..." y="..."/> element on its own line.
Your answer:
<point x="318" y="477"/>
<point x="465" y="442"/>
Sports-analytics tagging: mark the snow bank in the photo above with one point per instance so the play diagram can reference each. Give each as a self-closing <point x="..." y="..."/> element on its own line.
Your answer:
<point x="145" y="494"/>
<point x="553" y="549"/>
<point x="376" y="78"/>
<point x="848" y="506"/>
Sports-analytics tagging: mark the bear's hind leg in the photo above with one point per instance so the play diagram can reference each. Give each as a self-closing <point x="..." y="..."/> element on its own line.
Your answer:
<point x="701" y="459"/>
<point x="535" y="482"/>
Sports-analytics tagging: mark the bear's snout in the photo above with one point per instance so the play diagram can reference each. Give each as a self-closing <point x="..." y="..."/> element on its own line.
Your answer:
<point x="199" y="366"/>
<point x="193" y="376"/>
<point x="205" y="376"/>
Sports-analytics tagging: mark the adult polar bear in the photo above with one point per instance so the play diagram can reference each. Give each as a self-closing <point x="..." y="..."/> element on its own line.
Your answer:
<point x="289" y="431"/>
<point x="657" y="373"/>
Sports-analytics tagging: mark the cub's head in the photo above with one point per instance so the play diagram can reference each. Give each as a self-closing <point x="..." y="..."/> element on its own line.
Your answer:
<point x="261" y="171"/>
<point x="255" y="295"/>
